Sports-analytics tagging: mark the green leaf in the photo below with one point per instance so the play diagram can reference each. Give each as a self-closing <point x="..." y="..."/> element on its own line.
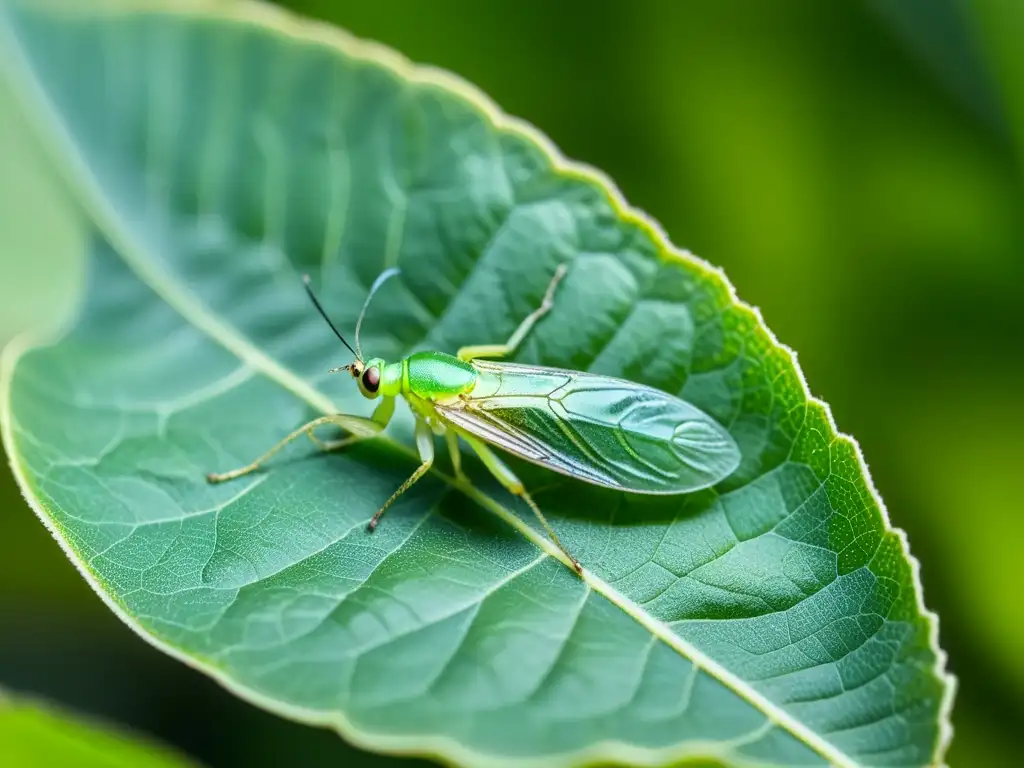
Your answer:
<point x="33" y="735"/>
<point x="225" y="149"/>
<point x="35" y="218"/>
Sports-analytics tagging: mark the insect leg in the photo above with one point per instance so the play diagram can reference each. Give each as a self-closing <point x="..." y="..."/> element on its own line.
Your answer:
<point x="425" y="446"/>
<point x="453" y="451"/>
<point x="506" y="349"/>
<point x="381" y="415"/>
<point x="515" y="486"/>
<point x="360" y="428"/>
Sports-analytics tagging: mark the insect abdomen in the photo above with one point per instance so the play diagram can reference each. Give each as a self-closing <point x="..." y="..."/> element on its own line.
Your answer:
<point x="435" y="375"/>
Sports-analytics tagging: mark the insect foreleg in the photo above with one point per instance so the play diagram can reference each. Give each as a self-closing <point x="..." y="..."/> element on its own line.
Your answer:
<point x="425" y="446"/>
<point x="506" y="349"/>
<point x="360" y="429"/>
<point x="381" y="416"/>
<point x="514" y="485"/>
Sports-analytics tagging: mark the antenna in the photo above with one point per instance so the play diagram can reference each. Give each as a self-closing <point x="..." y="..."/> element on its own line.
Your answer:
<point x="362" y="313"/>
<point x="320" y="309"/>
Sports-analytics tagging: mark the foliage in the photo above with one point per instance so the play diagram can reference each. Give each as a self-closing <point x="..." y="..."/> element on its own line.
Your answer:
<point x="33" y="735"/>
<point x="775" y="619"/>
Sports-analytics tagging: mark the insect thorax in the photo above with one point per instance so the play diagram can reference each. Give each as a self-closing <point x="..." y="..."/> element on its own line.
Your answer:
<point x="435" y="375"/>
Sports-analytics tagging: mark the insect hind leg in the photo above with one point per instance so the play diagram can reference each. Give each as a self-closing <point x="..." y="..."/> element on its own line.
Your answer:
<point x="506" y="349"/>
<point x="514" y="485"/>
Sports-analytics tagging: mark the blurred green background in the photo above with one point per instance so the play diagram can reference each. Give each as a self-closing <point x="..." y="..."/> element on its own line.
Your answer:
<point x="856" y="169"/>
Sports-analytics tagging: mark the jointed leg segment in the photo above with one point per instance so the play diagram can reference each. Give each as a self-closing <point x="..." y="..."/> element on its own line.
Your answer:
<point x="425" y="446"/>
<point x="360" y="429"/>
<point x="506" y="349"/>
<point x="515" y="486"/>
<point x="453" y="450"/>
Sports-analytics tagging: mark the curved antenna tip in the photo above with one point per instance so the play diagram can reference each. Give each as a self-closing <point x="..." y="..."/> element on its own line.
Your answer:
<point x="387" y="273"/>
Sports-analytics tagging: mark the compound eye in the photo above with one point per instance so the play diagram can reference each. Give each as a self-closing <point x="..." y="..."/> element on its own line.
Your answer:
<point x="371" y="379"/>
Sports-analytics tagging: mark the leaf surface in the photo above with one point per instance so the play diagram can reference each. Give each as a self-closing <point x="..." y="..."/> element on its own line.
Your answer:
<point x="220" y="151"/>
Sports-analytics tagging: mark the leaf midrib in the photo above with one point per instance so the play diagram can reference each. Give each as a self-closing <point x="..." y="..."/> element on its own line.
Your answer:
<point x="71" y="165"/>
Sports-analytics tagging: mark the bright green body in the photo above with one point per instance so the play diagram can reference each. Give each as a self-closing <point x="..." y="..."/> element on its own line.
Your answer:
<point x="427" y="375"/>
<point x="606" y="431"/>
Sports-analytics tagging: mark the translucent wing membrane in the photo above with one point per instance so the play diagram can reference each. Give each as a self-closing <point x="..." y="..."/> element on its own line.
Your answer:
<point x="599" y="429"/>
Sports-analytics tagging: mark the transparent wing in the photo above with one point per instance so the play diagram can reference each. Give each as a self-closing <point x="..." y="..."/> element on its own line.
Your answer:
<point x="599" y="429"/>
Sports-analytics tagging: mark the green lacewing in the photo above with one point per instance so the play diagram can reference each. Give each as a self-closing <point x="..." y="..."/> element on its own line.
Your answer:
<point x="598" y="429"/>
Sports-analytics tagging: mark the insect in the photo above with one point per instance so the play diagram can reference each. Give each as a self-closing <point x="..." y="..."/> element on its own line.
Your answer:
<point x="602" y="430"/>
